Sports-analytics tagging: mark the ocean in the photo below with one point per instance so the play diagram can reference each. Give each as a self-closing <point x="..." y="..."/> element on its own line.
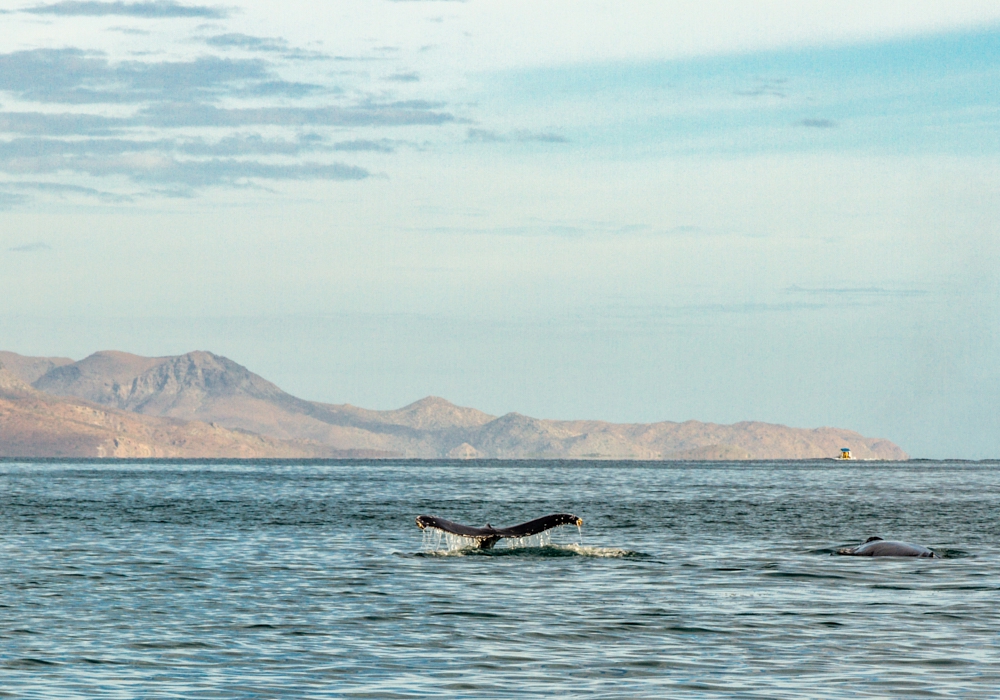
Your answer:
<point x="311" y="580"/>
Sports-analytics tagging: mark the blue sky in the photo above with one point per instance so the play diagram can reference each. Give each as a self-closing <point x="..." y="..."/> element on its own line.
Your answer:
<point x="629" y="211"/>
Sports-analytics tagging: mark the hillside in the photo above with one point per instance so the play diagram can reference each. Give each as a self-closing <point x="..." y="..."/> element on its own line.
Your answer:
<point x="29" y="369"/>
<point x="209" y="389"/>
<point x="35" y="424"/>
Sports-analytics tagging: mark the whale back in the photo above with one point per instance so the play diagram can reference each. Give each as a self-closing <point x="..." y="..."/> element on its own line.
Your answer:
<point x="877" y="547"/>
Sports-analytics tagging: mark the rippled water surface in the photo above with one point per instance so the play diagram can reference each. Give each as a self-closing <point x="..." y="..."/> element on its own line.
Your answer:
<point x="159" y="580"/>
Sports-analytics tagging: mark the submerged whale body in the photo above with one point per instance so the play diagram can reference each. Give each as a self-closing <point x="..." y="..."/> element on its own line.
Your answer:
<point x="488" y="536"/>
<point x="877" y="547"/>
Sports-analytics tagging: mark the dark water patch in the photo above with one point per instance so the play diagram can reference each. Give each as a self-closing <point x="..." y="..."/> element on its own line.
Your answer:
<point x="466" y="613"/>
<point x="28" y="662"/>
<point x="101" y="662"/>
<point x="172" y="644"/>
<point x="802" y="575"/>
<point x="950" y="553"/>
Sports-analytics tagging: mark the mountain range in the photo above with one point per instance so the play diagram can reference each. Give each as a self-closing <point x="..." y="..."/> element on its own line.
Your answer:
<point x="204" y="405"/>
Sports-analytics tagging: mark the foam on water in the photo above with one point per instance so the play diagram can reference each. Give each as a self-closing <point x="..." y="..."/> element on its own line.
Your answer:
<point x="611" y="552"/>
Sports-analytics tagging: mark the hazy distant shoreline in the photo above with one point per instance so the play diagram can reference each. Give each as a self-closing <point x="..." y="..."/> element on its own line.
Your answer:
<point x="204" y="406"/>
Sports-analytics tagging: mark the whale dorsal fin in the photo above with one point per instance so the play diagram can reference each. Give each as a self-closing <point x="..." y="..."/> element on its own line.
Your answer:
<point x="873" y="539"/>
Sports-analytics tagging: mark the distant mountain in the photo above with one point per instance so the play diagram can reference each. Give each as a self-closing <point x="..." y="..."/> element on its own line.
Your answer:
<point x="28" y="369"/>
<point x="207" y="388"/>
<point x="35" y="424"/>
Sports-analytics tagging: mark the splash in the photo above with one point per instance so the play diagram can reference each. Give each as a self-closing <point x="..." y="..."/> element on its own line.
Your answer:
<point x="542" y="539"/>
<point x="441" y="543"/>
<point x="600" y="552"/>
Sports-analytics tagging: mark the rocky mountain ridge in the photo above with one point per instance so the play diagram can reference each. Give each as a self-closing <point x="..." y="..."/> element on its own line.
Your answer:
<point x="206" y="389"/>
<point x="36" y="424"/>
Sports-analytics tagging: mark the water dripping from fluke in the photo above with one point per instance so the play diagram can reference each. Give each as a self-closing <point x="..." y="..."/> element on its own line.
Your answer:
<point x="534" y="539"/>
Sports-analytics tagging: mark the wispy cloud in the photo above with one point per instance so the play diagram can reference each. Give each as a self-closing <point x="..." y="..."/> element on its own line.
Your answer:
<point x="263" y="44"/>
<point x="20" y="152"/>
<point x="380" y="146"/>
<point x="854" y="291"/>
<point x="133" y="31"/>
<point x="64" y="191"/>
<point x="817" y="123"/>
<point x="153" y="10"/>
<point x="404" y="77"/>
<point x="773" y="87"/>
<point x="227" y="118"/>
<point x="73" y="76"/>
<point x="518" y="136"/>
<point x="369" y="114"/>
<point x="246" y="41"/>
<point x="30" y="247"/>
<point x="167" y="162"/>
<point x="8" y="200"/>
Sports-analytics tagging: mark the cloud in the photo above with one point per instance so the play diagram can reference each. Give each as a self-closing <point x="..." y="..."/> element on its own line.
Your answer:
<point x="219" y="171"/>
<point x="177" y="93"/>
<point x="73" y="76"/>
<point x="685" y="230"/>
<point x="854" y="291"/>
<point x="159" y="9"/>
<point x="368" y="114"/>
<point x="380" y="146"/>
<point x="520" y="136"/>
<point x="249" y="145"/>
<point x="775" y="87"/>
<point x="153" y="143"/>
<point x="9" y="200"/>
<point x="404" y="77"/>
<point x="58" y="153"/>
<point x="61" y="190"/>
<point x="60" y="124"/>
<point x="817" y="123"/>
<point x="266" y="45"/>
<point x="245" y="41"/>
<point x="148" y="126"/>
<point x="548" y="228"/>
<point x="195" y="163"/>
<point x="129" y="30"/>
<point x="30" y="247"/>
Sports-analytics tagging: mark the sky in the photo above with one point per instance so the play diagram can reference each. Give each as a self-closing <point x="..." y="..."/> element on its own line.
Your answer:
<point x="627" y="211"/>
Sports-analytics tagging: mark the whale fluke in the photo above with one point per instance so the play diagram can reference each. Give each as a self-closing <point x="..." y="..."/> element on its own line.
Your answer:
<point x="877" y="547"/>
<point x="488" y="536"/>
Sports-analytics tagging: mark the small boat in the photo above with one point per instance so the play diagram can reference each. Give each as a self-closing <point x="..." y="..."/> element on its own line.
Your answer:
<point x="845" y="453"/>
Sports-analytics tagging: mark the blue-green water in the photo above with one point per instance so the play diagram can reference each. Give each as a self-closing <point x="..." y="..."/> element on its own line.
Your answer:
<point x="264" y="580"/>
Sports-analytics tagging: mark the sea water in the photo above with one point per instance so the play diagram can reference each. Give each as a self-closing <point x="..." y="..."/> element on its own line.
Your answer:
<point x="311" y="580"/>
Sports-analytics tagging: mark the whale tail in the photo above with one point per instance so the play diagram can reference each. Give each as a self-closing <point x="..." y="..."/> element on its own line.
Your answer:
<point x="486" y="537"/>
